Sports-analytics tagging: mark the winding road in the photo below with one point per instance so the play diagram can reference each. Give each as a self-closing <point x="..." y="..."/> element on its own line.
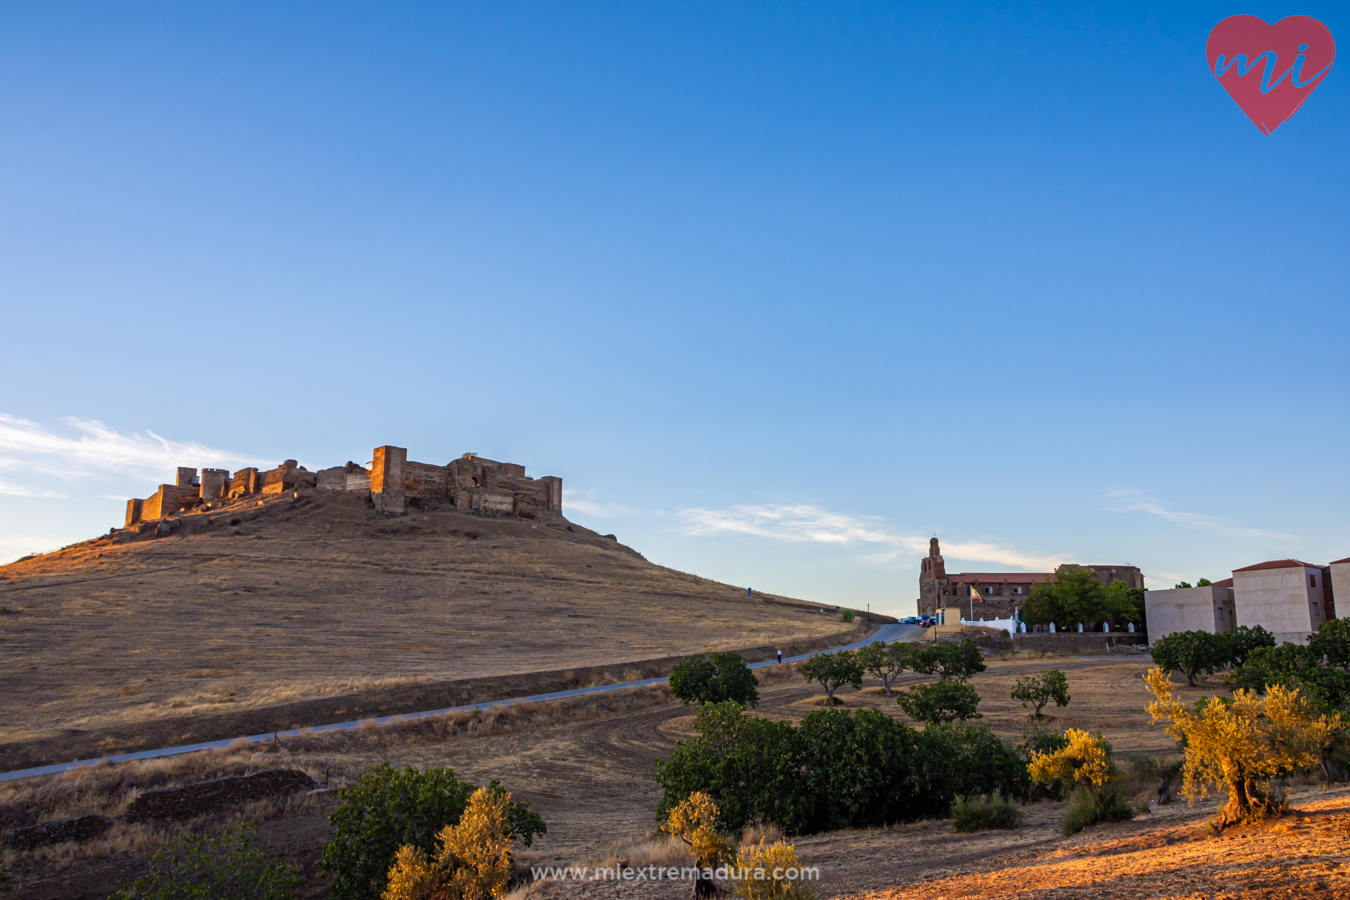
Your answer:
<point x="886" y="633"/>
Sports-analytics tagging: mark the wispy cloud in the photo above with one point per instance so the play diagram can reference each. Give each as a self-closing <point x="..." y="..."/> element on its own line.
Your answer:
<point x="788" y="523"/>
<point x="16" y="490"/>
<point x="1128" y="500"/>
<point x="805" y="523"/>
<point x="91" y="448"/>
<point x="585" y="502"/>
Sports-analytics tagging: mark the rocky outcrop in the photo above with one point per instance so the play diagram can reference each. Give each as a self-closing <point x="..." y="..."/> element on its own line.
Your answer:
<point x="192" y="800"/>
<point x="80" y="828"/>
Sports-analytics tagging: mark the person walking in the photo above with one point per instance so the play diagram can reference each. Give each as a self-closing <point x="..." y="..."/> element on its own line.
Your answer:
<point x="780" y="657"/>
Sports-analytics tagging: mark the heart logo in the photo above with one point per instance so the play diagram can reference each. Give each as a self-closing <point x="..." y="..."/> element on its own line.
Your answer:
<point x="1270" y="69"/>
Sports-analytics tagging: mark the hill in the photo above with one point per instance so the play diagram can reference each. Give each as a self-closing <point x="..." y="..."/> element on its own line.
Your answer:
<point x="309" y="606"/>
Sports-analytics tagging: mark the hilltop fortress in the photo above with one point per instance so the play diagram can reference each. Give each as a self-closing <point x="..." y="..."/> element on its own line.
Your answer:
<point x="392" y="482"/>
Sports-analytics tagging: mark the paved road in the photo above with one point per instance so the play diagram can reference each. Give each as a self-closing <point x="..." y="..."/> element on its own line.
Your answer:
<point x="887" y="633"/>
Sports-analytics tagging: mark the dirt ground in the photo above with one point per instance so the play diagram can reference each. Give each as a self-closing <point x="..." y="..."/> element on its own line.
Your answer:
<point x="294" y="611"/>
<point x="588" y="770"/>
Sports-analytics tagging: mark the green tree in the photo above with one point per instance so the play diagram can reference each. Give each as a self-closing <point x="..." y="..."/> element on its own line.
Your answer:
<point x="194" y="867"/>
<point x="387" y="809"/>
<point x="948" y="659"/>
<point x="1203" y="582"/>
<point x="943" y="701"/>
<point x="884" y="662"/>
<point x="724" y="676"/>
<point x="1189" y="652"/>
<point x="1074" y="595"/>
<point x="833" y="671"/>
<point x="1238" y="644"/>
<point x="1331" y="644"/>
<point x="1182" y="585"/>
<point x="1038" y="690"/>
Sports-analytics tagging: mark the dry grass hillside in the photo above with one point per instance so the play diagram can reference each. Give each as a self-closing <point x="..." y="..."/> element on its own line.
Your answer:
<point x="308" y="607"/>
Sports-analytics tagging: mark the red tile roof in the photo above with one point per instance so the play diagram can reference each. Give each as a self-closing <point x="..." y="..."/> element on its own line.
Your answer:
<point x="1000" y="577"/>
<point x="1334" y="561"/>
<point x="1227" y="582"/>
<point x="1279" y="564"/>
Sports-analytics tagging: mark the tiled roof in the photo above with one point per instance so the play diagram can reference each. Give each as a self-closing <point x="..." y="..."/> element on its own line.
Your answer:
<point x="1227" y="582"/>
<point x="1334" y="561"/>
<point x="1000" y="577"/>
<point x="1278" y="564"/>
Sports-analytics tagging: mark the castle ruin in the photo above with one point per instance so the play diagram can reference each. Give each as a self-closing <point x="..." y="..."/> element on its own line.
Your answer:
<point x="390" y="480"/>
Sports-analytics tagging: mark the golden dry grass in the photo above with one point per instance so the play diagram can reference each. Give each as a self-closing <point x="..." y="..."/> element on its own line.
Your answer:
<point x="314" y="609"/>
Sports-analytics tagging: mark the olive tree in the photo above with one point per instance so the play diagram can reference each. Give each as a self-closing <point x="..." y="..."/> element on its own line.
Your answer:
<point x="833" y="671"/>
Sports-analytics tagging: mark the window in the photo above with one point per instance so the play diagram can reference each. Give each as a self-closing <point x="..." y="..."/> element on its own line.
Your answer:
<point x="1220" y="612"/>
<point x="989" y="590"/>
<point x="1312" y="581"/>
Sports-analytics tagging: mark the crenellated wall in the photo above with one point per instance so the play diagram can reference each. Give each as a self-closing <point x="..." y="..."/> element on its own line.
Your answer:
<point x="392" y="481"/>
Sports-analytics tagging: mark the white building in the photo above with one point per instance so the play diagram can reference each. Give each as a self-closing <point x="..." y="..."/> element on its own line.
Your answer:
<point x="1209" y="608"/>
<point x="1288" y="598"/>
<point x="1340" y="587"/>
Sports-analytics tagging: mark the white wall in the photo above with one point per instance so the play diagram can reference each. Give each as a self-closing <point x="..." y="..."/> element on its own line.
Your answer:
<point x="1282" y="601"/>
<point x="1207" y="608"/>
<point x="1340" y="587"/>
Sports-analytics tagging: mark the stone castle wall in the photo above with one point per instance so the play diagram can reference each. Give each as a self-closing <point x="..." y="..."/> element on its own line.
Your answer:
<point x="392" y="482"/>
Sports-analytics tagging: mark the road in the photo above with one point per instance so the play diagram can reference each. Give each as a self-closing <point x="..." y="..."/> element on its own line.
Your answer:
<point x="887" y="633"/>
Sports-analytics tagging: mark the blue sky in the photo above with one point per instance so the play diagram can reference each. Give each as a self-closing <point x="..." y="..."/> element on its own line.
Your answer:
<point x="780" y="290"/>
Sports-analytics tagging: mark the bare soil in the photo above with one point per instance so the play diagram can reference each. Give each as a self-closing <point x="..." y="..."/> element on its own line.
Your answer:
<point x="588" y="768"/>
<point x="308" y="608"/>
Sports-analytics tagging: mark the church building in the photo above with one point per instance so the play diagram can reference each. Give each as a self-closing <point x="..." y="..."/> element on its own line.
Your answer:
<point x="1001" y="593"/>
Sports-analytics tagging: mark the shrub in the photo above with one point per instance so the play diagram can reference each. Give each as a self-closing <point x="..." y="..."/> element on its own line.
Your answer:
<point x="1038" y="690"/>
<point x="939" y="702"/>
<point x="772" y="872"/>
<point x="473" y="861"/>
<point x="1083" y="758"/>
<point x="1190" y="653"/>
<point x="220" y="868"/>
<point x="847" y="615"/>
<point x="835" y="770"/>
<point x="833" y="671"/>
<point x="724" y="676"/>
<point x="696" y="822"/>
<point x="1241" y="744"/>
<point x="1095" y="805"/>
<point x="983" y="813"/>
<point x="389" y="809"/>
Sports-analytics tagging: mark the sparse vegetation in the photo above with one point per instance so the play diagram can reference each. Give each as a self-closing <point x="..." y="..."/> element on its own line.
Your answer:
<point x="388" y="809"/>
<point x="984" y="813"/>
<point x="833" y="671"/>
<point x="715" y="679"/>
<point x="847" y="615"/>
<point x="1040" y="689"/>
<point x="226" y="867"/>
